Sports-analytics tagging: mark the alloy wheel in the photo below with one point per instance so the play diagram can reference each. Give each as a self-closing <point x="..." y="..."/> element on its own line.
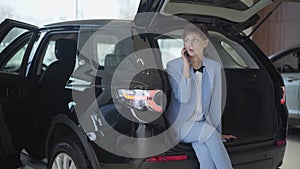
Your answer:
<point x="63" y="161"/>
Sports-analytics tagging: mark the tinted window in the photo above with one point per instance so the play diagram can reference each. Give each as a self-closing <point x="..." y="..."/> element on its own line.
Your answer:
<point x="11" y="36"/>
<point x="97" y="50"/>
<point x="13" y="60"/>
<point x="170" y="49"/>
<point x="288" y="63"/>
<point x="13" y="65"/>
<point x="100" y="53"/>
<point x="48" y="55"/>
<point x="231" y="54"/>
<point x="105" y="45"/>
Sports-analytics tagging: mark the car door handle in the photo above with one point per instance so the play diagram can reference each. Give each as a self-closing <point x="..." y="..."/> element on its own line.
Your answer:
<point x="291" y="79"/>
<point x="9" y="92"/>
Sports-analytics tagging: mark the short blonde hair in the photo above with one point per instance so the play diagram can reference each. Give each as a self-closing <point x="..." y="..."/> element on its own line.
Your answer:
<point x="199" y="29"/>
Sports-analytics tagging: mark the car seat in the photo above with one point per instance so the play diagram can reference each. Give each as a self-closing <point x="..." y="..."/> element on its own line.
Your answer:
<point x="53" y="95"/>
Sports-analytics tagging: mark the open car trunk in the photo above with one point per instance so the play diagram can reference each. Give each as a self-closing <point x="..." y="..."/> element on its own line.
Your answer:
<point x="248" y="99"/>
<point x="250" y="105"/>
<point x="249" y="111"/>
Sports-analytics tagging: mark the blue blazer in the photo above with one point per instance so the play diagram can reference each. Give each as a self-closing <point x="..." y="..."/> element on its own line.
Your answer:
<point x="184" y="97"/>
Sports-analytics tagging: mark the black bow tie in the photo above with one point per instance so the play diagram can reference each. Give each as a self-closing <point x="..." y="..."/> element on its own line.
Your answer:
<point x="200" y="69"/>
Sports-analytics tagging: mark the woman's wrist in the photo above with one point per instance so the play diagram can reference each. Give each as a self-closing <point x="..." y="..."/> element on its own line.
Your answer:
<point x="186" y="70"/>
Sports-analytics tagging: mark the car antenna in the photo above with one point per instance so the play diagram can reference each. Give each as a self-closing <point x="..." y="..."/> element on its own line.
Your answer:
<point x="264" y="19"/>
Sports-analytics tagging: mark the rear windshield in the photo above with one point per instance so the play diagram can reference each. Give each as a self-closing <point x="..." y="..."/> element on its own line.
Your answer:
<point x="232" y="4"/>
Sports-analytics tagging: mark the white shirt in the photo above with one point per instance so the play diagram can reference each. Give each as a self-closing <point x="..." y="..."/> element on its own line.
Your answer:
<point x="198" y="114"/>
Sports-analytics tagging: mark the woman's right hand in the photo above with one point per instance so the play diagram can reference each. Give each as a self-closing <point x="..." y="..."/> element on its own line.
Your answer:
<point x="186" y="64"/>
<point x="185" y="58"/>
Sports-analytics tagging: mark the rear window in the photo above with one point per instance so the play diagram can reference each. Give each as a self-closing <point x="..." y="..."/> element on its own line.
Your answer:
<point x="231" y="54"/>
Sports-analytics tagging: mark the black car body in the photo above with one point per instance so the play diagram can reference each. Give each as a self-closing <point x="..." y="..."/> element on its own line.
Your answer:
<point x="61" y="98"/>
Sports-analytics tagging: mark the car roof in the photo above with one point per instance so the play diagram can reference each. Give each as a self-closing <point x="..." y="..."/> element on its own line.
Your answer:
<point x="284" y="52"/>
<point x="90" y="22"/>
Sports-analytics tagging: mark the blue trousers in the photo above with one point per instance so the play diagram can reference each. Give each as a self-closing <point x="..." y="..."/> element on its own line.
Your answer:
<point x="211" y="153"/>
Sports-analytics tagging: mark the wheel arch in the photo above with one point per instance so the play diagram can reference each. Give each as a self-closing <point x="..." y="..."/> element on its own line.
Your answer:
<point x="62" y="125"/>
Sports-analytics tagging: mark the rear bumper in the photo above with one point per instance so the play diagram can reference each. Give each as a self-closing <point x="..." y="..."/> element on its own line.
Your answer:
<point x="184" y="164"/>
<point x="260" y="159"/>
<point x="269" y="157"/>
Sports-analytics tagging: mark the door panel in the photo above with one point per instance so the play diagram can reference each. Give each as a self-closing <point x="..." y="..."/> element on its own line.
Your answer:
<point x="8" y="91"/>
<point x="15" y="40"/>
<point x="292" y="83"/>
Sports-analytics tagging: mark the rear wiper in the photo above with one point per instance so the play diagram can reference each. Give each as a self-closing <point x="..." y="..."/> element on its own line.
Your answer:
<point x="264" y="19"/>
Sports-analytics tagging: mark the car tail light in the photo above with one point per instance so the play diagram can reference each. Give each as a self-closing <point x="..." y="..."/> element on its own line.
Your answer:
<point x="167" y="158"/>
<point x="143" y="100"/>
<point x="280" y="142"/>
<point x="283" y="98"/>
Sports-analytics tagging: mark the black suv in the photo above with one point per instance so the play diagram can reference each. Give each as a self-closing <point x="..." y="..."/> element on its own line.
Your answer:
<point x="92" y="93"/>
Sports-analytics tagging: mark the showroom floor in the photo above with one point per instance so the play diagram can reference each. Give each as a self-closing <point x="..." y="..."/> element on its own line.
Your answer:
<point x="291" y="158"/>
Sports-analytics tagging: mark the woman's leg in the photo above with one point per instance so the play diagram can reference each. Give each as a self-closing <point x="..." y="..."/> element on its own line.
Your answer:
<point x="219" y="153"/>
<point x="204" y="155"/>
<point x="211" y="154"/>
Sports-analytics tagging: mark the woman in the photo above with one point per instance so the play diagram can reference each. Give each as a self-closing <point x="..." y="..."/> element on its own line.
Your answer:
<point x="195" y="107"/>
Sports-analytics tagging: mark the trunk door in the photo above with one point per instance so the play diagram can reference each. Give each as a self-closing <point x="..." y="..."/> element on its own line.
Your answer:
<point x="236" y="11"/>
<point x="231" y="10"/>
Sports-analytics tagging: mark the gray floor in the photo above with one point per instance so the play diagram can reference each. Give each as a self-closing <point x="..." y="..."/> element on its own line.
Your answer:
<point x="292" y="153"/>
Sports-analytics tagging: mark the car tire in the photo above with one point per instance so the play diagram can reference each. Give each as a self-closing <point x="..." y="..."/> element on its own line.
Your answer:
<point x="67" y="154"/>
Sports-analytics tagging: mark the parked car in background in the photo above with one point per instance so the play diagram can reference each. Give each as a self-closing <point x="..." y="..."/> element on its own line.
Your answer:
<point x="287" y="62"/>
<point x="92" y="93"/>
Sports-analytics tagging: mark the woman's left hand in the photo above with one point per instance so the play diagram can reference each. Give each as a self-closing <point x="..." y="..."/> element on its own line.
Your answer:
<point x="228" y="137"/>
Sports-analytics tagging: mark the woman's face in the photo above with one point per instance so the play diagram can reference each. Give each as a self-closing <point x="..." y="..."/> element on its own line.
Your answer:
<point x="195" y="44"/>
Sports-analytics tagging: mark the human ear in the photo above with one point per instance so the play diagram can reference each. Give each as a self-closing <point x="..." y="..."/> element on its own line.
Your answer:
<point x="206" y="41"/>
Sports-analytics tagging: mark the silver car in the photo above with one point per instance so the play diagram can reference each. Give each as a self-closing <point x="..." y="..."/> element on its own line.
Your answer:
<point x="287" y="63"/>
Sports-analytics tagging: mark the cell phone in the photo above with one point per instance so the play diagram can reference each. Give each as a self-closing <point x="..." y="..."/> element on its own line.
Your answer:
<point x="186" y="54"/>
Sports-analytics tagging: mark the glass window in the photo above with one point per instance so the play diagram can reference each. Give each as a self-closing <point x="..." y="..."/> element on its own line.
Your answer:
<point x="289" y="62"/>
<point x="11" y="36"/>
<point x="103" y="48"/>
<point x="105" y="45"/>
<point x="17" y="40"/>
<point x="49" y="55"/>
<point x="13" y="65"/>
<point x="100" y="52"/>
<point x="170" y="49"/>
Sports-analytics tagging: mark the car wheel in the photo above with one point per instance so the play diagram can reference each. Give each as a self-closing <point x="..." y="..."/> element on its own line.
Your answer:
<point x="68" y="154"/>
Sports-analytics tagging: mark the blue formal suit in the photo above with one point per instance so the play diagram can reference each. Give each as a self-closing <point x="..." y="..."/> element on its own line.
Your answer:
<point x="205" y="134"/>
